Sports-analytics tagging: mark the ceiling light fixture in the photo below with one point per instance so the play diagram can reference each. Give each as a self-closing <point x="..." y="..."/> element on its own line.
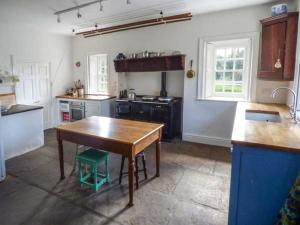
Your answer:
<point x="96" y="26"/>
<point x="58" y="19"/>
<point x="77" y="7"/>
<point x="73" y="30"/>
<point x="78" y="14"/>
<point x="101" y="5"/>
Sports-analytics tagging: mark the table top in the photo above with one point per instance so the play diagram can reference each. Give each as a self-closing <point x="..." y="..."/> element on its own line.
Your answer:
<point x="283" y="136"/>
<point x="124" y="131"/>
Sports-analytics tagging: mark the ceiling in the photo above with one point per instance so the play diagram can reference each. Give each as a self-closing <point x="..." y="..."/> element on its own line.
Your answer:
<point x="39" y="14"/>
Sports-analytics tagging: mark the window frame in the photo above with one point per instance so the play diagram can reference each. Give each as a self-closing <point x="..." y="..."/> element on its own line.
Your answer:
<point x="88" y="74"/>
<point x="205" y="87"/>
<point x="245" y="70"/>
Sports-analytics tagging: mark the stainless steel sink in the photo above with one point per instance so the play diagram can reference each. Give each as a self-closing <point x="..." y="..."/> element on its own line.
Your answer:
<point x="266" y="116"/>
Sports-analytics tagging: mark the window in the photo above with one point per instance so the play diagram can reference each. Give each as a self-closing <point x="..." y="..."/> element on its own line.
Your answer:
<point x="98" y="74"/>
<point x="227" y="69"/>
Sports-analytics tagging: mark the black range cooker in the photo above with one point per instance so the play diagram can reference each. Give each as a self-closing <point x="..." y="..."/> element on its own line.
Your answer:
<point x="166" y="110"/>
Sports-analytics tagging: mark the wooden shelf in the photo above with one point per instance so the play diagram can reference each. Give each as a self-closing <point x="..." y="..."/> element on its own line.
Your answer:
<point x="151" y="64"/>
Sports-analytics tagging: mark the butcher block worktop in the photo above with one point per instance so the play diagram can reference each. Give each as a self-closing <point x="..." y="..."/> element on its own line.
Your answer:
<point x="87" y="97"/>
<point x="282" y="136"/>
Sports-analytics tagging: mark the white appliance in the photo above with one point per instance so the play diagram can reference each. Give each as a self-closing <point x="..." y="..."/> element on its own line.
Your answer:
<point x="2" y="161"/>
<point x="64" y="106"/>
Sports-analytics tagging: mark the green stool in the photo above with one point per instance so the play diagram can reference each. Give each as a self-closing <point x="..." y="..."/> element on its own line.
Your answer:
<point x="92" y="178"/>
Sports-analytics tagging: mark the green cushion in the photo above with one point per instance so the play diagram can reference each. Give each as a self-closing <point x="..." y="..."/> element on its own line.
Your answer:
<point x="93" y="155"/>
<point x="290" y="212"/>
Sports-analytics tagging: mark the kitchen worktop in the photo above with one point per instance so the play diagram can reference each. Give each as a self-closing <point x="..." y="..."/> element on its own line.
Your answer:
<point x="283" y="136"/>
<point x="20" y="109"/>
<point x="87" y="97"/>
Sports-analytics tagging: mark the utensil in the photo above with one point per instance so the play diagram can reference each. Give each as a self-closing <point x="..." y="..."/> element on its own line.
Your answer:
<point x="190" y="73"/>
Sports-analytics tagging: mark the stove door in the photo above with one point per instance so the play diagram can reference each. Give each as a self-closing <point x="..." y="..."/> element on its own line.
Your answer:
<point x="141" y="111"/>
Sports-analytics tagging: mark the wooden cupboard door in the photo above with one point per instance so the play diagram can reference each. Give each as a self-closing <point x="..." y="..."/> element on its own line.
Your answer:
<point x="272" y="48"/>
<point x="290" y="48"/>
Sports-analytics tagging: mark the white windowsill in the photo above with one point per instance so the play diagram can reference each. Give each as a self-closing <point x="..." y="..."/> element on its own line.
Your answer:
<point x="223" y="99"/>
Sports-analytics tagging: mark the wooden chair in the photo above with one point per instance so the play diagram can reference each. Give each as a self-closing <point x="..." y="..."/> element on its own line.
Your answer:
<point x="137" y="170"/>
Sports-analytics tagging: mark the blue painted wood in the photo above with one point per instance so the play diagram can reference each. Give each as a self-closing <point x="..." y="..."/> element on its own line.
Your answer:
<point x="260" y="182"/>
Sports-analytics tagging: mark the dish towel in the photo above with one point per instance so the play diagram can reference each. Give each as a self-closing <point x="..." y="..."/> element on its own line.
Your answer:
<point x="290" y="212"/>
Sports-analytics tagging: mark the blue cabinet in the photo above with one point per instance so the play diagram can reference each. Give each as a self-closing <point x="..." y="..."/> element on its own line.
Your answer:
<point x="260" y="182"/>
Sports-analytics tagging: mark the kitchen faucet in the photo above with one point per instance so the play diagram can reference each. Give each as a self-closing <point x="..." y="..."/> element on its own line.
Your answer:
<point x="293" y="108"/>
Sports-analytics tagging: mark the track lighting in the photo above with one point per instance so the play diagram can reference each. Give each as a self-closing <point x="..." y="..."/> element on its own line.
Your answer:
<point x="73" y="30"/>
<point x="58" y="18"/>
<point x="78" y="14"/>
<point x="78" y="7"/>
<point x="96" y="26"/>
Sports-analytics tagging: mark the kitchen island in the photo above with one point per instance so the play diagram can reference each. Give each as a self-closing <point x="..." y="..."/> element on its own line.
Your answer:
<point x="265" y="162"/>
<point x="22" y="129"/>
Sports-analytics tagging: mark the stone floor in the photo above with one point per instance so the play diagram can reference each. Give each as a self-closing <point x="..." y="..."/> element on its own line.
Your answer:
<point x="193" y="189"/>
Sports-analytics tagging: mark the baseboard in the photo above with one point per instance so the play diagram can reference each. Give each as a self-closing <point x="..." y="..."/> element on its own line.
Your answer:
<point x="206" y="140"/>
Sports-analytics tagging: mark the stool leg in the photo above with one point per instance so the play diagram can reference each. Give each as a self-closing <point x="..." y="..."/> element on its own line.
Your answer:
<point x="95" y="171"/>
<point x="106" y="169"/>
<point x="121" y="170"/>
<point x="136" y="173"/>
<point x="144" y="165"/>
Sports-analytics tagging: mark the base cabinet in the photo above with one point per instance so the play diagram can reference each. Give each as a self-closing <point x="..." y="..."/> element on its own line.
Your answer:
<point x="260" y="182"/>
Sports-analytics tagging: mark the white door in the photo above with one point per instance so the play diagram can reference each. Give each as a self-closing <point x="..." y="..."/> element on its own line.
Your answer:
<point x="34" y="88"/>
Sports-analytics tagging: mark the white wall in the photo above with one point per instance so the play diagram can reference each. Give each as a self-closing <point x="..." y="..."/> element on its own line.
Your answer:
<point x="203" y="121"/>
<point x="30" y="46"/>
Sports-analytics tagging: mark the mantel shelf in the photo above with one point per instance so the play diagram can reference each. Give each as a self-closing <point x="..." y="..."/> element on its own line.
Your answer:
<point x="151" y="64"/>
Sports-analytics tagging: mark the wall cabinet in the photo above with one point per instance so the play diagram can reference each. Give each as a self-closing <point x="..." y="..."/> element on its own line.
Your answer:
<point x="278" y="47"/>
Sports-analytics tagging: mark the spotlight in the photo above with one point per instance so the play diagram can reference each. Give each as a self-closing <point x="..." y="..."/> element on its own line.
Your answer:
<point x="58" y="19"/>
<point x="96" y="26"/>
<point x="79" y="15"/>
<point x="101" y="6"/>
<point x="128" y="2"/>
<point x="73" y="30"/>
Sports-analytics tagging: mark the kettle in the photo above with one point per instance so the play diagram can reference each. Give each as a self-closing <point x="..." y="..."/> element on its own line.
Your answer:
<point x="131" y="94"/>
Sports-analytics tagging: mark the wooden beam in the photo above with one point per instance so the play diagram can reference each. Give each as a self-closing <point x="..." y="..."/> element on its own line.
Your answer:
<point x="139" y="24"/>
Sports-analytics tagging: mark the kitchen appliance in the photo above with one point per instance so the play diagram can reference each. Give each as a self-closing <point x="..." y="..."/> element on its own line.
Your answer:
<point x="168" y="112"/>
<point x="77" y="111"/>
<point x="64" y="106"/>
<point x="131" y="94"/>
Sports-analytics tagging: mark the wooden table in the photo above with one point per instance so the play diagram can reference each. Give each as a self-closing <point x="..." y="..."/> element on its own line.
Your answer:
<point x="125" y="137"/>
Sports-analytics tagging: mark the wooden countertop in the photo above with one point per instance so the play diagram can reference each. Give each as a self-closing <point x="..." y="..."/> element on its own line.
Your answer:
<point x="87" y="97"/>
<point x="124" y="131"/>
<point x="283" y="136"/>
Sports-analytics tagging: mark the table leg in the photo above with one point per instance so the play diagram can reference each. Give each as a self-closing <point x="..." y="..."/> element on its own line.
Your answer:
<point x="130" y="177"/>
<point x="158" y="146"/>
<point x="61" y="159"/>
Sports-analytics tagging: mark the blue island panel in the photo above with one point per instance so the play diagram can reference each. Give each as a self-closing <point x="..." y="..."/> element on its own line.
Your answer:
<point x="260" y="182"/>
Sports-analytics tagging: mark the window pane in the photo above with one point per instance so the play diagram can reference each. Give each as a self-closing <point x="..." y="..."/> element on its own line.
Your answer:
<point x="228" y="76"/>
<point x="219" y="88"/>
<point x="227" y="88"/>
<point x="240" y="53"/>
<point x="219" y="75"/>
<point x="238" y="76"/>
<point x="98" y="77"/>
<point x="220" y="65"/>
<point x="238" y="89"/>
<point x="229" y="53"/>
<point x="239" y="64"/>
<point x="220" y="53"/>
<point x="229" y="65"/>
